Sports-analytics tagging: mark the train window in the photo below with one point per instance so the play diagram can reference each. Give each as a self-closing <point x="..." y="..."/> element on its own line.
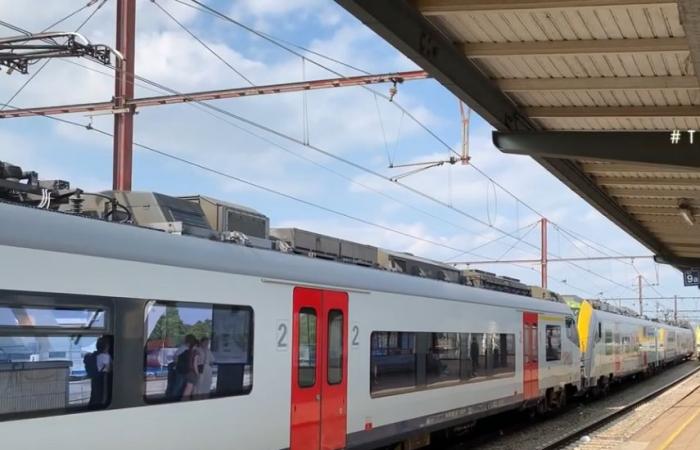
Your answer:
<point x="404" y="362"/>
<point x="502" y="355"/>
<point x="56" y="354"/>
<point x="553" y="342"/>
<point x="626" y="344"/>
<point x="442" y="363"/>
<point x="392" y="362"/>
<point x="474" y="363"/>
<point x="335" y="346"/>
<point x="530" y="350"/>
<point x="52" y="317"/>
<point x="571" y="331"/>
<point x="608" y="342"/>
<point x="307" y="347"/>
<point x="197" y="350"/>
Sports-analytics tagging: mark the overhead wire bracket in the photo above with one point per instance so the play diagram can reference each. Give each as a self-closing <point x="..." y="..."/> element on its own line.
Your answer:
<point x="421" y="167"/>
<point x="17" y="53"/>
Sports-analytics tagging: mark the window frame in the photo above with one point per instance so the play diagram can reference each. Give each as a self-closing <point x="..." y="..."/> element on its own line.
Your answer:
<point x="200" y="304"/>
<point x="57" y="301"/>
<point x="609" y="344"/>
<point x="384" y="348"/>
<point x="331" y="380"/>
<point x="304" y="310"/>
<point x="485" y="370"/>
<point x="547" y="347"/>
<point x="572" y="331"/>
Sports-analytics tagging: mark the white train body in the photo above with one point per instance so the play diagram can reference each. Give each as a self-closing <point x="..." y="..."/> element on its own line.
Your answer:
<point x="308" y="354"/>
<point x="616" y="346"/>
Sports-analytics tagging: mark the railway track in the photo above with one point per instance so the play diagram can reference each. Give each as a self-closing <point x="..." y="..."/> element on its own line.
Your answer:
<point x="516" y="431"/>
<point x="574" y="436"/>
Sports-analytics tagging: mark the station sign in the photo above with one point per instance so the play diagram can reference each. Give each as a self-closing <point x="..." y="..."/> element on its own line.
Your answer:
<point x="691" y="277"/>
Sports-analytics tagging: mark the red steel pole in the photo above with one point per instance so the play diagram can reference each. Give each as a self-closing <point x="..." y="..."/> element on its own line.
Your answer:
<point x="543" y="258"/>
<point x="124" y="92"/>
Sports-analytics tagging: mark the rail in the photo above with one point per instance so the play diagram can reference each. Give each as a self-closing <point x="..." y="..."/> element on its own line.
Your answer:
<point x="573" y="436"/>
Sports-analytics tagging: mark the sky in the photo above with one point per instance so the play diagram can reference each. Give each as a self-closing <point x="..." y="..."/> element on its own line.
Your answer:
<point x="359" y="125"/>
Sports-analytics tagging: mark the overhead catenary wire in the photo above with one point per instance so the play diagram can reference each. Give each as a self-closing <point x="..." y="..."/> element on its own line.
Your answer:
<point x="339" y="174"/>
<point x="514" y="244"/>
<point x="573" y="286"/>
<point x="286" y="42"/>
<point x="223" y="16"/>
<point x="365" y="169"/>
<point x="448" y="204"/>
<point x="491" y="241"/>
<point x="262" y="187"/>
<point x="573" y="244"/>
<point x="622" y="258"/>
<point x="309" y="160"/>
<point x="77" y="11"/>
<point x="216" y="13"/>
<point x="201" y="42"/>
<point x="204" y="8"/>
<point x="331" y="155"/>
<point x="376" y="174"/>
<point x="381" y="126"/>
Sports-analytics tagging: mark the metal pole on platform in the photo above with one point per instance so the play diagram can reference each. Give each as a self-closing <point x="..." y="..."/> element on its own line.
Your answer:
<point x="639" y="286"/>
<point x="543" y="258"/>
<point x="124" y="91"/>
<point x="675" y="307"/>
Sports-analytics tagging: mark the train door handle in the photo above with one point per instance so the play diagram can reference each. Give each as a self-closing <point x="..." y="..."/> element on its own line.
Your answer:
<point x="318" y="397"/>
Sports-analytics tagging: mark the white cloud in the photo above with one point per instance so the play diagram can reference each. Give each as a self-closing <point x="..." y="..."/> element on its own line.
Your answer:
<point x="275" y="7"/>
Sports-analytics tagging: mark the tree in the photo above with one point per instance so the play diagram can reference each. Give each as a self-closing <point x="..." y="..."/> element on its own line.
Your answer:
<point x="169" y="327"/>
<point x="200" y="329"/>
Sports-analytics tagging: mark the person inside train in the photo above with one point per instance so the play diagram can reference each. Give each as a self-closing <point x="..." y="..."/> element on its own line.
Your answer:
<point x="188" y="364"/>
<point x="178" y="369"/>
<point x="474" y="355"/>
<point x="204" y="367"/>
<point x="98" y="366"/>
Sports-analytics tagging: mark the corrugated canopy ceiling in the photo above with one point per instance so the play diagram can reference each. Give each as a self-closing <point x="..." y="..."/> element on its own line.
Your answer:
<point x="548" y="73"/>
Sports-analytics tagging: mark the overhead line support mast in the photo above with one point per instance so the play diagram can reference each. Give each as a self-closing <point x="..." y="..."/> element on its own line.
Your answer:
<point x="123" y="93"/>
<point x="543" y="259"/>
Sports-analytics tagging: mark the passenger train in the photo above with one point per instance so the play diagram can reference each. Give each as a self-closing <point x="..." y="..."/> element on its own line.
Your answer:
<point x="306" y="354"/>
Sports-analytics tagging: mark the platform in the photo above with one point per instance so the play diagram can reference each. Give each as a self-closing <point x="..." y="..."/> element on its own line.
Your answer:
<point x="676" y="429"/>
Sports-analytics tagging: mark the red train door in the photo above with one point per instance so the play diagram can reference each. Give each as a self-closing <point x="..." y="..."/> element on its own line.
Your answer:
<point x="531" y="387"/>
<point x="319" y="370"/>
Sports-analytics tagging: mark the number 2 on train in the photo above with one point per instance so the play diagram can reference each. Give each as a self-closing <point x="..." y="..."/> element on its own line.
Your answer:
<point x="282" y="338"/>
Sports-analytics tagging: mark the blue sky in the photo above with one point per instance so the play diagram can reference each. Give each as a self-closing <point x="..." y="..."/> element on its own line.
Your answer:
<point x="352" y="123"/>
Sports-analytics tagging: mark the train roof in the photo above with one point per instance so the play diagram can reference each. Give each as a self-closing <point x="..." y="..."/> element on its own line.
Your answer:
<point x="637" y="320"/>
<point x="27" y="227"/>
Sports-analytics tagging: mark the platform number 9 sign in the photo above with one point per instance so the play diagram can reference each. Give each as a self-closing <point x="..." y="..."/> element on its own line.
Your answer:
<point x="691" y="277"/>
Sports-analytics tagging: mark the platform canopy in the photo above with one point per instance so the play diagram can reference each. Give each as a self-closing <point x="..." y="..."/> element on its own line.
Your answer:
<point x="589" y="88"/>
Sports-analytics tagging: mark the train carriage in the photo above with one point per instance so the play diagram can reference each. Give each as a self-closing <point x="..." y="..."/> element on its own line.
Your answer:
<point x="307" y="354"/>
<point x="615" y="346"/>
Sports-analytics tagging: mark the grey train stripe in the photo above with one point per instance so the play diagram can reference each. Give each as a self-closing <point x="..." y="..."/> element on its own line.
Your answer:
<point x="388" y="434"/>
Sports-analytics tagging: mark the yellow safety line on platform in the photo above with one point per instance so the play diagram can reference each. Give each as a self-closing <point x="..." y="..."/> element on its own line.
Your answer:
<point x="680" y="429"/>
